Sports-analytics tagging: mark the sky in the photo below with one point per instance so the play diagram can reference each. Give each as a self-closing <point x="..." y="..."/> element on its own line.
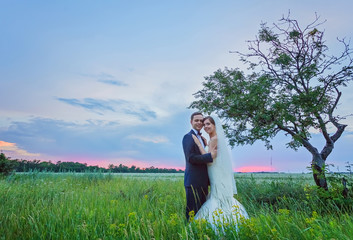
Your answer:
<point x="110" y="82"/>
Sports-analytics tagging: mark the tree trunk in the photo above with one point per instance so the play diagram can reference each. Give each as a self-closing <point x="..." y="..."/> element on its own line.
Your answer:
<point x="318" y="168"/>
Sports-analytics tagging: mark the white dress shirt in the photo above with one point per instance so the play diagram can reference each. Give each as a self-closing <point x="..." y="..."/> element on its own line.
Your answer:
<point x="199" y="137"/>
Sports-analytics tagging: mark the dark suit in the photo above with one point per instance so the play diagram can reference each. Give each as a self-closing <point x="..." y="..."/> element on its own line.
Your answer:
<point x="196" y="179"/>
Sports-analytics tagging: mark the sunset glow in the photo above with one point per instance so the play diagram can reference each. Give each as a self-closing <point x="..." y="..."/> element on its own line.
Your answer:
<point x="6" y="144"/>
<point x="255" y="169"/>
<point x="14" y="151"/>
<point x="116" y="162"/>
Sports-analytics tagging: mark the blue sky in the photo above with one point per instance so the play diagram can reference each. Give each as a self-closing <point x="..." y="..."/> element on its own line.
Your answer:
<point x="109" y="82"/>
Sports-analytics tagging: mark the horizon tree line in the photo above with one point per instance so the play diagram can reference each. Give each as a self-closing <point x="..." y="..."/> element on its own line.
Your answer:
<point x="8" y="165"/>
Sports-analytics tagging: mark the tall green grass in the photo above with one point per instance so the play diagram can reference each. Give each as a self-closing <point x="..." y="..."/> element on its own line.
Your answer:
<point x="105" y="206"/>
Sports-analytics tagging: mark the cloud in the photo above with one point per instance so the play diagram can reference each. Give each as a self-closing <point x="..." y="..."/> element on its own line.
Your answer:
<point x="100" y="140"/>
<point x="142" y="114"/>
<point x="100" y="107"/>
<point x="13" y="150"/>
<point x="68" y="140"/>
<point x="106" y="79"/>
<point x="110" y="79"/>
<point x="112" y="82"/>
<point x="90" y="104"/>
<point x="155" y="143"/>
<point x="152" y="139"/>
<point x="349" y="135"/>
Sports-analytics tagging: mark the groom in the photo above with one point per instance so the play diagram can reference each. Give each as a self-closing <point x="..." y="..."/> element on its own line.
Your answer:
<point x="196" y="179"/>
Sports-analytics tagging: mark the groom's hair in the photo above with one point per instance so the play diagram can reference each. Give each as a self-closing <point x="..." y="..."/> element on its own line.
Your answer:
<point x="194" y="114"/>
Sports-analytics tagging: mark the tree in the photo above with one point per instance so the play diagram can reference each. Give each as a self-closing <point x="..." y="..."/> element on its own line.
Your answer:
<point x="294" y="87"/>
<point x="6" y="166"/>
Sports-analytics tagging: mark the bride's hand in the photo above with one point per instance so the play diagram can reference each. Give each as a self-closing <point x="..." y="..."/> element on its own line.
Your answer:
<point x="199" y="145"/>
<point x="197" y="141"/>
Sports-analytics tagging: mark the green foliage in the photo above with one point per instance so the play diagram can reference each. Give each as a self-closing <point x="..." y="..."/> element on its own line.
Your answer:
<point x="340" y="191"/>
<point x="6" y="166"/>
<point x="283" y="60"/>
<point x="294" y="34"/>
<point x="293" y="87"/>
<point x="43" y="166"/>
<point x="266" y="35"/>
<point x="107" y="206"/>
<point x="241" y="99"/>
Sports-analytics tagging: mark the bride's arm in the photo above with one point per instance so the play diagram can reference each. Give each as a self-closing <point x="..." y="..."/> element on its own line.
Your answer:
<point x="212" y="144"/>
<point x="198" y="143"/>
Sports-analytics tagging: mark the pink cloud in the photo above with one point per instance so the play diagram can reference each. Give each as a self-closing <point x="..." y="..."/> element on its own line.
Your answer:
<point x="6" y="144"/>
<point x="116" y="161"/>
<point x="13" y="151"/>
<point x="255" y="169"/>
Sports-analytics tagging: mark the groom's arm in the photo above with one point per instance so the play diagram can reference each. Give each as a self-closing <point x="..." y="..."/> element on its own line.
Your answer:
<point x="192" y="153"/>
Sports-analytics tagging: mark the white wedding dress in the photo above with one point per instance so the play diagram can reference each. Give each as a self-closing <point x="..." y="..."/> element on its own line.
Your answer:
<point x="221" y="208"/>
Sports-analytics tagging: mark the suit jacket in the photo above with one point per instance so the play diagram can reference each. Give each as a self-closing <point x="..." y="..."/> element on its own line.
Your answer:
<point x="196" y="174"/>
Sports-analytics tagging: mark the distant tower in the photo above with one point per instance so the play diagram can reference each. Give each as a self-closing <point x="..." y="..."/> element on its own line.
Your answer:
<point x="271" y="164"/>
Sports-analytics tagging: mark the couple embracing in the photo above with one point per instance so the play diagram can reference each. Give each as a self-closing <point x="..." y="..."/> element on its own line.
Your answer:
<point x="209" y="164"/>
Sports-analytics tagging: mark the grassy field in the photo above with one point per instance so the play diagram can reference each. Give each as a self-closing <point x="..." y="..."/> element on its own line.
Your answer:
<point x="151" y="206"/>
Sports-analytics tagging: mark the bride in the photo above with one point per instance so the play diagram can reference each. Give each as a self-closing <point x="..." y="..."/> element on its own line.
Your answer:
<point x="221" y="207"/>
